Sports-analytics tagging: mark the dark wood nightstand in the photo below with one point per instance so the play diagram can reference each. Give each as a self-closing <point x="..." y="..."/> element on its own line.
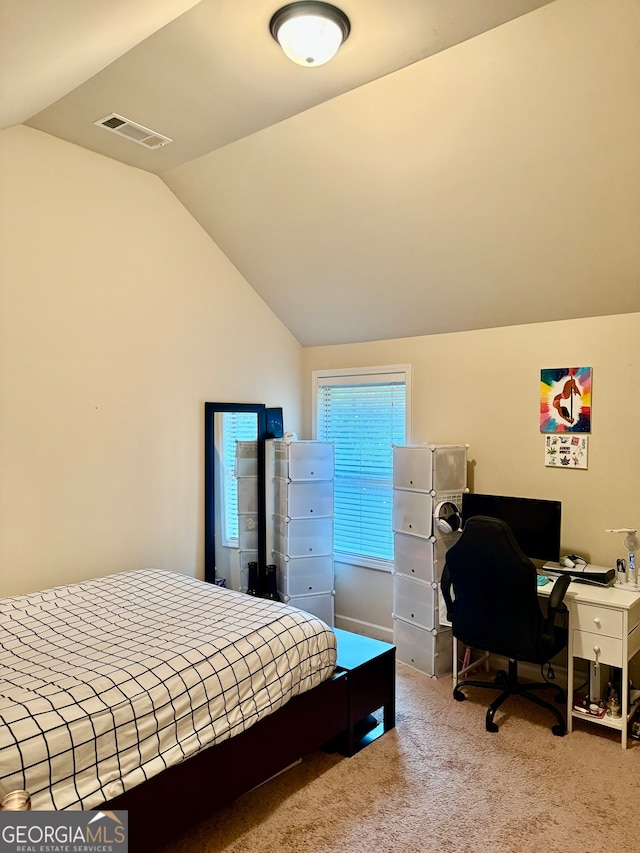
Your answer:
<point x="370" y="667"/>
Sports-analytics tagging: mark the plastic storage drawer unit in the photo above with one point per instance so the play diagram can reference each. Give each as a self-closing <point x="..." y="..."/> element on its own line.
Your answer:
<point x="318" y="605"/>
<point x="246" y="463"/>
<point x="302" y="537"/>
<point x="424" y="650"/>
<point x="303" y="460"/>
<point x="303" y="500"/>
<point x="422" y="559"/>
<point x="247" y="532"/>
<point x="430" y="468"/>
<point x="304" y="575"/>
<point x="415" y="602"/>
<point x="412" y="513"/>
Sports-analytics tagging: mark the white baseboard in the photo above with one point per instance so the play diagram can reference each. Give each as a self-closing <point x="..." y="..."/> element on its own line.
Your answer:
<point x="368" y="629"/>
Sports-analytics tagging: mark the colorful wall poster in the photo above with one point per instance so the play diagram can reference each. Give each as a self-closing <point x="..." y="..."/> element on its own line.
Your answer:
<point x="565" y="399"/>
<point x="566" y="451"/>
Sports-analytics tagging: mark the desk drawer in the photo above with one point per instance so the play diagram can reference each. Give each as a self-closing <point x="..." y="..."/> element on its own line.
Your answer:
<point x="597" y="620"/>
<point x="585" y="644"/>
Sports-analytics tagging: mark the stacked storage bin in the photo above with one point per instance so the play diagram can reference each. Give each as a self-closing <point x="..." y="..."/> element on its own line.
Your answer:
<point x="300" y="539"/>
<point x="246" y="471"/>
<point x="424" y="476"/>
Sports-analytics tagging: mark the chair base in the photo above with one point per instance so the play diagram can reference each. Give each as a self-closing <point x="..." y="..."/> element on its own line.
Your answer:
<point x="508" y="683"/>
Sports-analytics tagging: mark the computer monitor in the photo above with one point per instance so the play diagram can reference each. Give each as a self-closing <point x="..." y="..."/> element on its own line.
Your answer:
<point x="535" y="523"/>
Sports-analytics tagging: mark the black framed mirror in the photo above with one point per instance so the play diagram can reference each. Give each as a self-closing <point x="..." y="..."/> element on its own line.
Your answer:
<point x="213" y="471"/>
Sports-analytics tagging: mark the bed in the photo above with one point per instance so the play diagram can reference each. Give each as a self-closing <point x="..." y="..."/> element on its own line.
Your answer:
<point x="150" y="689"/>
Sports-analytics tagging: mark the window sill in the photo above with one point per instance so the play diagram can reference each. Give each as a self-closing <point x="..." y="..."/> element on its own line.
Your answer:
<point x="364" y="562"/>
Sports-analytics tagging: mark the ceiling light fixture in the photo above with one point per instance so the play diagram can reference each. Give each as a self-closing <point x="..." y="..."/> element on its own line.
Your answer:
<point x="310" y="33"/>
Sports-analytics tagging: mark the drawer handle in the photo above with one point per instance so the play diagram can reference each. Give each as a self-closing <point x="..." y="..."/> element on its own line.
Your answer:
<point x="597" y="652"/>
<point x="597" y="622"/>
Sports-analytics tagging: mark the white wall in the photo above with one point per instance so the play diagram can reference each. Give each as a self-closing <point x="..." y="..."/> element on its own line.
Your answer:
<point x="482" y="388"/>
<point x="119" y="318"/>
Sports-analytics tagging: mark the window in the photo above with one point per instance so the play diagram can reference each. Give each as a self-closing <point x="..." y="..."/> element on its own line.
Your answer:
<point x="236" y="426"/>
<point x="364" y="412"/>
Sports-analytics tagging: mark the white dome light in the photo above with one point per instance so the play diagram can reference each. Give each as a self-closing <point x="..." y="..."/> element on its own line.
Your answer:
<point x="310" y="34"/>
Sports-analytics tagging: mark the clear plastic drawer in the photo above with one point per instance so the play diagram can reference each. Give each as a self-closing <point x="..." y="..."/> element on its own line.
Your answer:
<point x="428" y="651"/>
<point x="302" y="537"/>
<point x="321" y="606"/>
<point x="248" y="531"/>
<point x="304" y="575"/>
<point x="412" y="512"/>
<point x="430" y="468"/>
<point x="303" y="460"/>
<point x="415" y="602"/>
<point x="246" y="462"/>
<point x="247" y="494"/>
<point x="303" y="500"/>
<point x="422" y="559"/>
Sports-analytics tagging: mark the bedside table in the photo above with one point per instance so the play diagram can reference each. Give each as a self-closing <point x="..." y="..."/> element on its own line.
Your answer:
<point x="370" y="668"/>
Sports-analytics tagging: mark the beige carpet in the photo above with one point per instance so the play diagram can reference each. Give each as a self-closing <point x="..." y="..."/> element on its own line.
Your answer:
<point x="440" y="782"/>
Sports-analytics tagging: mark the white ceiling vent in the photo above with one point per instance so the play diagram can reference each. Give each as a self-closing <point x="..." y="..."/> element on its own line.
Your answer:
<point x="134" y="132"/>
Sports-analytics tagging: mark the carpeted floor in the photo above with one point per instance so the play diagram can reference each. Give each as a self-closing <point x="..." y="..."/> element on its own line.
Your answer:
<point x="440" y="782"/>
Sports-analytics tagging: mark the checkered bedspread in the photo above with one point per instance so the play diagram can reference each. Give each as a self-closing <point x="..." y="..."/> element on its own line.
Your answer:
<point x="105" y="683"/>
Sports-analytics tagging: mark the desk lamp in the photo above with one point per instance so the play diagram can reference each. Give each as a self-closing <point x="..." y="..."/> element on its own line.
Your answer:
<point x="631" y="543"/>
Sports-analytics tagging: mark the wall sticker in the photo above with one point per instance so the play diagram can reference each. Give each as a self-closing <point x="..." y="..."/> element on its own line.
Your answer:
<point x="566" y="451"/>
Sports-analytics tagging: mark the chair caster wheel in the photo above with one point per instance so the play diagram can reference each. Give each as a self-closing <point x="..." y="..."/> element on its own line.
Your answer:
<point x="559" y="730"/>
<point x="492" y="727"/>
<point x="458" y="695"/>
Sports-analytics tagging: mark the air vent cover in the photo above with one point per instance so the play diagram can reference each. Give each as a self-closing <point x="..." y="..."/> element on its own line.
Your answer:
<point x="133" y="131"/>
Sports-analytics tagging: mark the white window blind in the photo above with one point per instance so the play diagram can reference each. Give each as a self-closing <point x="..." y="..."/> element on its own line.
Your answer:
<point x="364" y="413"/>
<point x="236" y="426"/>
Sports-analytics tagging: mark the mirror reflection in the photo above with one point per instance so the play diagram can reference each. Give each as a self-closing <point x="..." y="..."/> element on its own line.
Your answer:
<point x="234" y="490"/>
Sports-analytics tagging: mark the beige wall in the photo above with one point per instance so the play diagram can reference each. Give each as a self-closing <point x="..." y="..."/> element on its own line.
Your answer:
<point x="119" y="317"/>
<point x="482" y="388"/>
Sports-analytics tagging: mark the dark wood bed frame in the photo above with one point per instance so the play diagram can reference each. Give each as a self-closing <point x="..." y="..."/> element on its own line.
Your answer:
<point x="182" y="795"/>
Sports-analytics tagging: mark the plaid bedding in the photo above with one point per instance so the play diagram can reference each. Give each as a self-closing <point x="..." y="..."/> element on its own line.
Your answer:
<point x="105" y="683"/>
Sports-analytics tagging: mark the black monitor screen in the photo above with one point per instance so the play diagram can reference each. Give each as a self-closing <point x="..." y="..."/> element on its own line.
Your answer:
<point x="535" y="523"/>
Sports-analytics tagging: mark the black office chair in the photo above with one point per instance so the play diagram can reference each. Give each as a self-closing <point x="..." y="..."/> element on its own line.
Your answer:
<point x="495" y="608"/>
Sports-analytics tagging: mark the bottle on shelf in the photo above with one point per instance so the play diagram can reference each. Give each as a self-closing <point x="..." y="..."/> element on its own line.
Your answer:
<point x="252" y="586"/>
<point x="613" y="702"/>
<point x="271" y="586"/>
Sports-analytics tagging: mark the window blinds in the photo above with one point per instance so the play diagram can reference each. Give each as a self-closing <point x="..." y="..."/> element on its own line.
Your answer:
<point x="363" y="418"/>
<point x="236" y="426"/>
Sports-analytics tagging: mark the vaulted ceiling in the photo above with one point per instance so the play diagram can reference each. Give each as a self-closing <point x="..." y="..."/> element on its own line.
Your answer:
<point x="459" y="164"/>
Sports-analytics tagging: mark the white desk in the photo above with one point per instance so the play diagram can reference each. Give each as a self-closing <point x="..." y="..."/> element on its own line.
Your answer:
<point x="603" y="627"/>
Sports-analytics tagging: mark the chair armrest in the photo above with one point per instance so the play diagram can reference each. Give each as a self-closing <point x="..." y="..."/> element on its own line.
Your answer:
<point x="555" y="601"/>
<point x="445" y="588"/>
<point x="556" y="595"/>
